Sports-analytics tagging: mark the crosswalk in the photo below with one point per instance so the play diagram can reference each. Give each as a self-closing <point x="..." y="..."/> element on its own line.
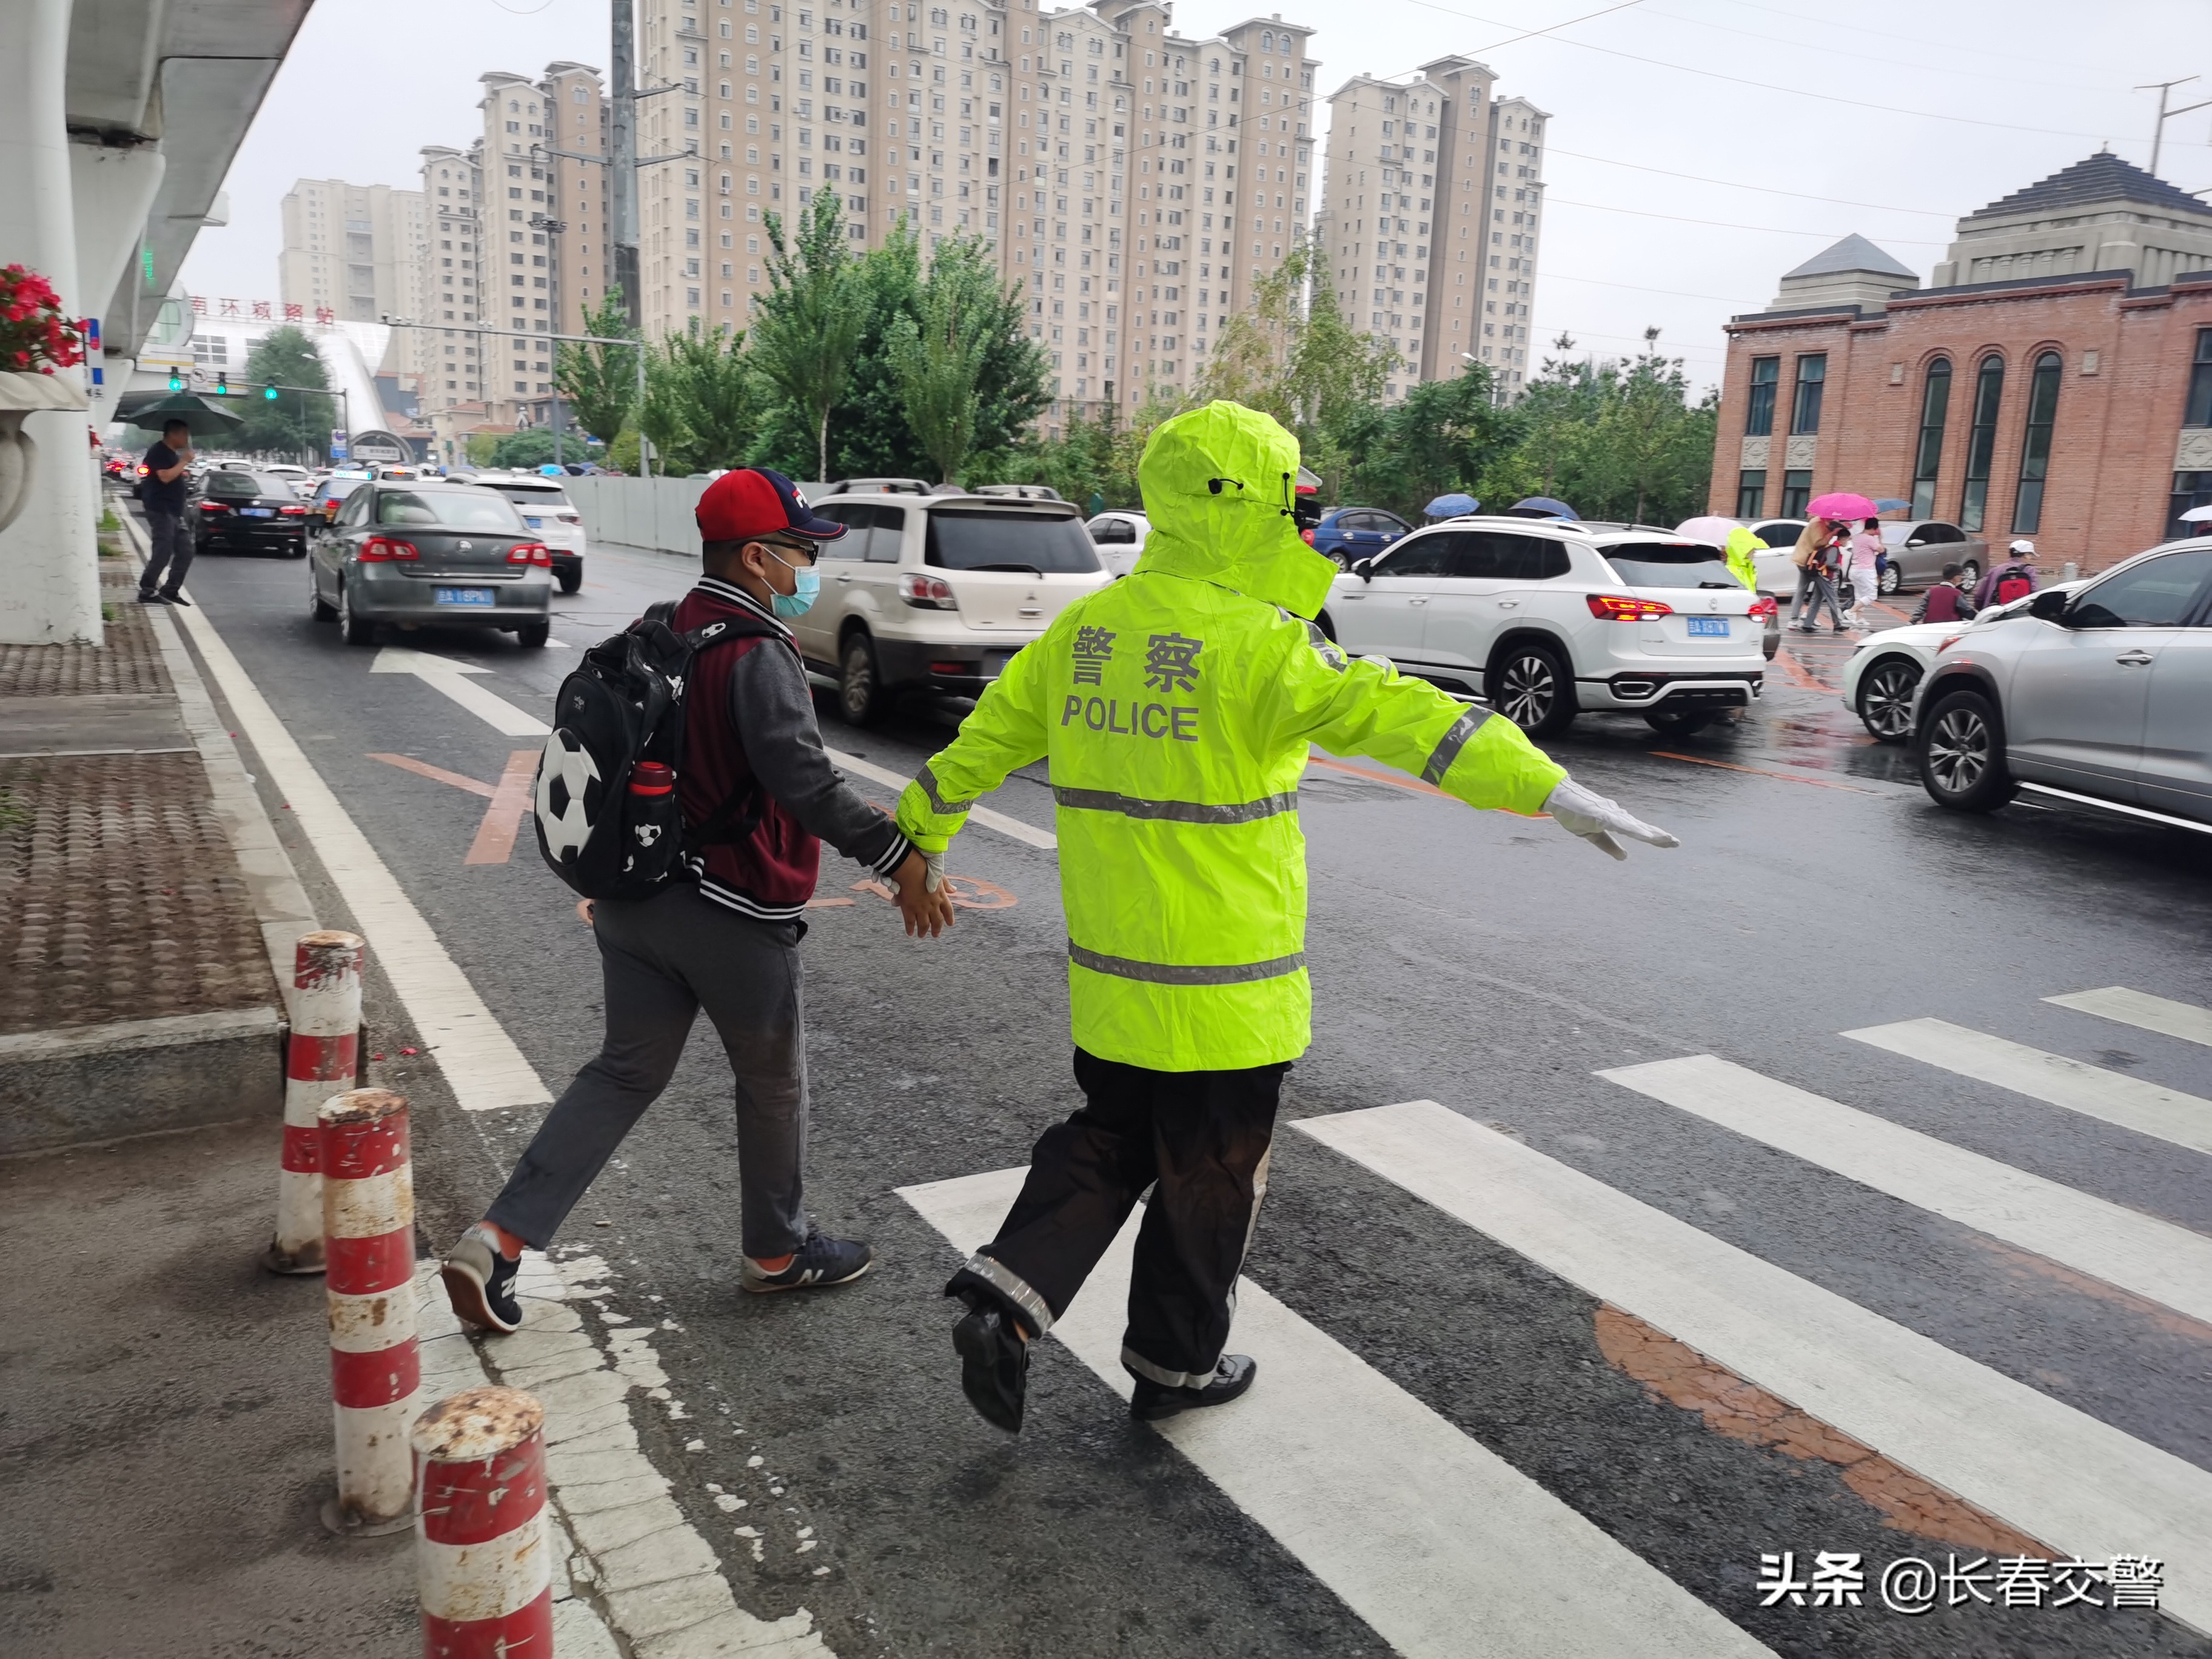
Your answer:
<point x="1414" y="1523"/>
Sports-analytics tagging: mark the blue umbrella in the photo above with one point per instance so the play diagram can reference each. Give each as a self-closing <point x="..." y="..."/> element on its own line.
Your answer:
<point x="1890" y="504"/>
<point x="1452" y="505"/>
<point x="1543" y="507"/>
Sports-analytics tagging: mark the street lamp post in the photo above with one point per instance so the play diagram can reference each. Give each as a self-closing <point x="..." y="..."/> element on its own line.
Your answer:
<point x="553" y="227"/>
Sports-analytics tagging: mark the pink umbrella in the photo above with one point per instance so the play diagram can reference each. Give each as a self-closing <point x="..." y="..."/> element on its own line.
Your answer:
<point x="1841" y="504"/>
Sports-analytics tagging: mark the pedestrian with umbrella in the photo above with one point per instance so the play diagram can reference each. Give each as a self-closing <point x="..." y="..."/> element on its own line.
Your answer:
<point x="162" y="491"/>
<point x="1737" y="544"/>
<point x="1453" y="506"/>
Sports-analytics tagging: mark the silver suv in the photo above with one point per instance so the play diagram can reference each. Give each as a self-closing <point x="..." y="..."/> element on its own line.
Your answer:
<point x="936" y="593"/>
<point x="2102" y="695"/>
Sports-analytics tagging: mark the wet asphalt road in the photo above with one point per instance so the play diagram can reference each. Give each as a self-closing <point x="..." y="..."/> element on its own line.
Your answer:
<point x="1491" y="964"/>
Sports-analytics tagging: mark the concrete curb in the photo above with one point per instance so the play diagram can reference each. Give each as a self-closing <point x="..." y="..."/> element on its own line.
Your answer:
<point x="78" y="1083"/>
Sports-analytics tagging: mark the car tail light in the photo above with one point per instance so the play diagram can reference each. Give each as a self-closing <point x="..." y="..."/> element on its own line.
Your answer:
<point x="1765" y="605"/>
<point x="379" y="550"/>
<point x="1617" y="607"/>
<point x="215" y="507"/>
<point x="293" y="512"/>
<point x="535" y="553"/>
<point x="1307" y="536"/>
<point x="927" y="593"/>
<point x="569" y="518"/>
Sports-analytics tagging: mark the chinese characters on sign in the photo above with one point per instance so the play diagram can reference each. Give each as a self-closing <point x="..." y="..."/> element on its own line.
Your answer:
<point x="1171" y="662"/>
<point x="1093" y="651"/>
<point x="1913" y="1586"/>
<point x="263" y="311"/>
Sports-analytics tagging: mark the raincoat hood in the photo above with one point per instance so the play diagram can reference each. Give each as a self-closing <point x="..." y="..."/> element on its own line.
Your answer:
<point x="1219" y="485"/>
<point x="1742" y="544"/>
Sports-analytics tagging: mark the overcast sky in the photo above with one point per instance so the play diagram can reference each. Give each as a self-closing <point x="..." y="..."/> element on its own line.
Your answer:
<point x="1926" y="109"/>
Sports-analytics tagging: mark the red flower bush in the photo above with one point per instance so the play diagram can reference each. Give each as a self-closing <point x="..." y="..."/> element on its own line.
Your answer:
<point x="35" y="338"/>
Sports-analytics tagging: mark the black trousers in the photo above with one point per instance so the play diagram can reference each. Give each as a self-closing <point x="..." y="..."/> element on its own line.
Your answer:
<point x="1201" y="1141"/>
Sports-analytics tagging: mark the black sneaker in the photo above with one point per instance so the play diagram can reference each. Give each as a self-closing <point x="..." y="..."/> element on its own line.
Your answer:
<point x="1153" y="1401"/>
<point x="480" y="1281"/>
<point x="177" y="598"/>
<point x="994" y="1365"/>
<point x="151" y="599"/>
<point x="820" y="1260"/>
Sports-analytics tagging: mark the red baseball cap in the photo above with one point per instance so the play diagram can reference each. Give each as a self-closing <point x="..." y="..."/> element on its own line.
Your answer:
<point x="754" y="502"/>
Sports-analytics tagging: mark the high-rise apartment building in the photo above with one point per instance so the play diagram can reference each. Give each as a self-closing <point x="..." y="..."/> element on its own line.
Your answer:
<point x="1098" y="150"/>
<point x="1431" y="209"/>
<point x="517" y="249"/>
<point x="355" y="251"/>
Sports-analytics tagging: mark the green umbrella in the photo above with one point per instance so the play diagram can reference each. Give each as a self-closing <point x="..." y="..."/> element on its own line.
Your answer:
<point x="201" y="417"/>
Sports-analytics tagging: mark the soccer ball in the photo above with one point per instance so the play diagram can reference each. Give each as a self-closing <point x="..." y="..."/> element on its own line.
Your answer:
<point x="568" y="792"/>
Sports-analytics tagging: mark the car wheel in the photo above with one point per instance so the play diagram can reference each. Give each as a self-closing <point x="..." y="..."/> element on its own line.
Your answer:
<point x="319" y="608"/>
<point x="1961" y="754"/>
<point x="531" y="636"/>
<point x="1885" y="698"/>
<point x="859" y="687"/>
<point x="357" y="629"/>
<point x="570" y="581"/>
<point x="1679" y="722"/>
<point x="1891" y="578"/>
<point x="1529" y="686"/>
<point x="1340" y="557"/>
<point x="297" y="552"/>
<point x="1970" y="572"/>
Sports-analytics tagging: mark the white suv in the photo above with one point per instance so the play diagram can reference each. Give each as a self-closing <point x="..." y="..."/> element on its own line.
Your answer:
<point x="936" y="592"/>
<point x="546" y="508"/>
<point x="1546" y="620"/>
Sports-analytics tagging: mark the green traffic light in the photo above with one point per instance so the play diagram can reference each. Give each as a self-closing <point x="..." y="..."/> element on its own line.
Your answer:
<point x="270" y="393"/>
<point x="223" y="386"/>
<point x="176" y="383"/>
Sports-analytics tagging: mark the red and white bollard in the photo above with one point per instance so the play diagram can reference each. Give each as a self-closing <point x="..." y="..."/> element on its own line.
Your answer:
<point x="483" y="1564"/>
<point x="323" y="1057"/>
<point x="368" y="1237"/>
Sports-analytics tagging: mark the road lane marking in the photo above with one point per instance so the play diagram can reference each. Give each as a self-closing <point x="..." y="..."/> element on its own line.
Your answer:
<point x="444" y="675"/>
<point x="2141" y="1252"/>
<point x="1762" y="771"/>
<point x="2180" y="1019"/>
<point x="1420" y="1529"/>
<point x="510" y="804"/>
<point x="435" y="773"/>
<point x="481" y="1063"/>
<point x="1028" y="833"/>
<point x="2133" y="1103"/>
<point x="2054" y="1474"/>
<point x="1412" y="786"/>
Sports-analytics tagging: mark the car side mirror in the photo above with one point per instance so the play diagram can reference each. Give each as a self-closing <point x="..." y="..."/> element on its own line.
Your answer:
<point x="2050" y="606"/>
<point x="1364" y="570"/>
<point x="1916" y="542"/>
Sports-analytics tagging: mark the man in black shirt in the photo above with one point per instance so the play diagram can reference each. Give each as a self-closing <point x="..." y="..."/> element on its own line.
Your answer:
<point x="162" y="492"/>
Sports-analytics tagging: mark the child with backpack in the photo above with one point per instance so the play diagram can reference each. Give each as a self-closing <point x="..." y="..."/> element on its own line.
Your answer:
<point x="2012" y="579"/>
<point x="686" y="792"/>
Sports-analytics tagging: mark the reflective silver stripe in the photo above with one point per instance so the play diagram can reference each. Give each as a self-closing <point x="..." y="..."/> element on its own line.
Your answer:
<point x="1454" y="740"/>
<point x="1177" y="811"/>
<point x="927" y="780"/>
<point x="1175" y="973"/>
<point x="1016" y="1289"/>
<point x="1133" y="1362"/>
<point x="1325" y="648"/>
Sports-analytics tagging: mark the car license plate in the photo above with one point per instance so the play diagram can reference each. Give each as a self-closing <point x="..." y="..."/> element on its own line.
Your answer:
<point x="465" y="596"/>
<point x="1709" y="628"/>
<point x="535" y="524"/>
<point x="257" y="511"/>
<point x="994" y="663"/>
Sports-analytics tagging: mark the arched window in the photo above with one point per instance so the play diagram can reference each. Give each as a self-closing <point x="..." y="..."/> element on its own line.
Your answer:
<point x="1935" y="410"/>
<point x="1981" y="441"/>
<point x="2035" y="446"/>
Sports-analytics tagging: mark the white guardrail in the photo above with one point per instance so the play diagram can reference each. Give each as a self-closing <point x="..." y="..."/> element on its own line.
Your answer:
<point x="656" y="514"/>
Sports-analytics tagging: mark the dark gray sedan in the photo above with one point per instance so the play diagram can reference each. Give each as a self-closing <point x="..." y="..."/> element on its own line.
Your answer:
<point x="419" y="554"/>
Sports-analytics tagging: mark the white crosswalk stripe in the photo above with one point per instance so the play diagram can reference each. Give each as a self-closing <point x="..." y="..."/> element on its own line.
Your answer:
<point x="2122" y="1247"/>
<point x="2139" y="1008"/>
<point x="2133" y="1103"/>
<point x="2055" y="1474"/>
<point x="1417" y="1528"/>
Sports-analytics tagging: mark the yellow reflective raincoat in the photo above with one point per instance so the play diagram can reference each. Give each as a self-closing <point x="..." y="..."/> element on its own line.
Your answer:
<point x="1742" y="545"/>
<point x="1175" y="707"/>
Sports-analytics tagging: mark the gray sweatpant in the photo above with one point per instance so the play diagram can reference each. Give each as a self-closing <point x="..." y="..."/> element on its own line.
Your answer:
<point x="662" y="960"/>
<point x="170" y="552"/>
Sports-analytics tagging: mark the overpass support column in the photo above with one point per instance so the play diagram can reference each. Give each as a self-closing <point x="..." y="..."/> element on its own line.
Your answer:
<point x="49" y="569"/>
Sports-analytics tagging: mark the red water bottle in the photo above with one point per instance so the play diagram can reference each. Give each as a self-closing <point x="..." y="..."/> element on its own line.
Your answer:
<point x="652" y="778"/>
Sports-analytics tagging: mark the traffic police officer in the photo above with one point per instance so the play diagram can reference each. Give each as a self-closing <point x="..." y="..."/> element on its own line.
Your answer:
<point x="1175" y="708"/>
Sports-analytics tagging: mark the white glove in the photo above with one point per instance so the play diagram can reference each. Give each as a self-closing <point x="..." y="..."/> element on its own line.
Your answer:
<point x="1584" y="813"/>
<point x="932" y="865"/>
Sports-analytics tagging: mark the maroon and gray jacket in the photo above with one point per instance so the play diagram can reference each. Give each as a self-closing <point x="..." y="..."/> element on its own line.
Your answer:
<point x="749" y="721"/>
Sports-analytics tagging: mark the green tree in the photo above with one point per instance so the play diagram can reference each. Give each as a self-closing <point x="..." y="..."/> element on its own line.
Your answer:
<point x="807" y="331"/>
<point x="937" y="352"/>
<point x="294" y="423"/>
<point x="599" y="382"/>
<point x="532" y="447"/>
<point x="705" y="382"/>
<point x="1446" y="436"/>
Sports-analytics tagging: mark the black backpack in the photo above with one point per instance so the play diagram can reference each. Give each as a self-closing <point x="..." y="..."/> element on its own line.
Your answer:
<point x="622" y="705"/>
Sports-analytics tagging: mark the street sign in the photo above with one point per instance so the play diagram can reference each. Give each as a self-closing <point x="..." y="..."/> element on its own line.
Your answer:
<point x="337" y="444"/>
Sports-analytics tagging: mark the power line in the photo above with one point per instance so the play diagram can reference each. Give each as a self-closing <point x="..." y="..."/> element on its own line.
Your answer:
<point x="1730" y="184"/>
<point x="1724" y="224"/>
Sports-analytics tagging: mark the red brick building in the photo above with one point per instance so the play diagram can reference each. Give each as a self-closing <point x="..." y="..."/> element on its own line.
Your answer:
<point x="2070" y="405"/>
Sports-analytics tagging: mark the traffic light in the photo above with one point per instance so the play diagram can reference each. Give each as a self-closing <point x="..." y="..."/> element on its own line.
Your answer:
<point x="176" y="381"/>
<point x="270" y="393"/>
<point x="221" y="384"/>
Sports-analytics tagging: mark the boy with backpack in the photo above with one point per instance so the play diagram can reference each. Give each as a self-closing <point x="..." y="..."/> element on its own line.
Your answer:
<point x="730" y="817"/>
<point x="1946" y="601"/>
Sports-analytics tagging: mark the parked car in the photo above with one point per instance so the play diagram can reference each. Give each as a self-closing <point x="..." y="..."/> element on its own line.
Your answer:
<point x="297" y="477"/>
<point x="1023" y="492"/>
<point x="1918" y="549"/>
<point x="245" y="513"/>
<point x="1118" y="535"/>
<point x="2101" y="694"/>
<point x="424" y="553"/>
<point x="546" y="509"/>
<point x="1546" y="619"/>
<point x="875" y="487"/>
<point x="1349" y="534"/>
<point x="1884" y="673"/>
<point x="936" y="592"/>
